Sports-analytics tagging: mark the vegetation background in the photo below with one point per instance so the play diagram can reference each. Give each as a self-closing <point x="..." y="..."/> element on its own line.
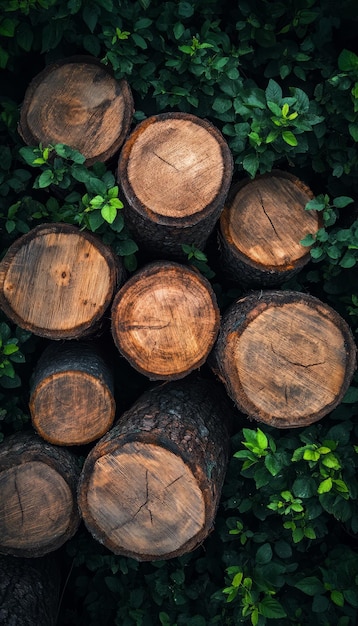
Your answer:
<point x="280" y="80"/>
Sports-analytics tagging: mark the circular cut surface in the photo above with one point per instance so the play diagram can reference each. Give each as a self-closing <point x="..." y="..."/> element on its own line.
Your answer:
<point x="145" y="499"/>
<point x="165" y="323"/>
<point x="57" y="398"/>
<point x="296" y="372"/>
<point x="175" y="167"/>
<point x="266" y="220"/>
<point x="35" y="506"/>
<point x="80" y="105"/>
<point x="57" y="281"/>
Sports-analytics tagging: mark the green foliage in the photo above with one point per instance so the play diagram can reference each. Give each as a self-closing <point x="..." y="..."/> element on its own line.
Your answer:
<point x="280" y="80"/>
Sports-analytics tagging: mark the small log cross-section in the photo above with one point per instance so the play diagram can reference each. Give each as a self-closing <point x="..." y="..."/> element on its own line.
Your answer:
<point x="38" y="507"/>
<point x="285" y="357"/>
<point x="72" y="401"/>
<point x="29" y="591"/>
<point x="150" y="487"/>
<point x="76" y="101"/>
<point x="165" y="320"/>
<point x="58" y="281"/>
<point x="261" y="227"/>
<point x="175" y="170"/>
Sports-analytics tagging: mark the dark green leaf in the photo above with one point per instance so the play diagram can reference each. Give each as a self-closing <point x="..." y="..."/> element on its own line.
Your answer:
<point x="271" y="608"/>
<point x="264" y="554"/>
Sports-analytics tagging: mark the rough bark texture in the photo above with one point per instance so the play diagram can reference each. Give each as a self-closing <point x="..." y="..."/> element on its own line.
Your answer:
<point x="165" y="320"/>
<point x="150" y="487"/>
<point x="58" y="281"/>
<point x="29" y="591"/>
<point x="78" y="102"/>
<point x="72" y="401"/>
<point x="285" y="357"/>
<point x="260" y="229"/>
<point x="175" y="171"/>
<point x="38" y="508"/>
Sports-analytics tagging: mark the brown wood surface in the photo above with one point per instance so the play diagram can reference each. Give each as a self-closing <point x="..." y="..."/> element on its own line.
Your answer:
<point x="78" y="102"/>
<point x="72" y="397"/>
<point x="57" y="281"/>
<point x="150" y="487"/>
<point x="261" y="227"/>
<point x="175" y="171"/>
<point x="29" y="591"/>
<point x="38" y="508"/>
<point x="285" y="357"/>
<point x="165" y="320"/>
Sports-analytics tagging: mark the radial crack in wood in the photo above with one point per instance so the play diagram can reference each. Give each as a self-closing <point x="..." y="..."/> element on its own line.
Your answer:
<point x="261" y="227"/>
<point x="285" y="357"/>
<point x="150" y="487"/>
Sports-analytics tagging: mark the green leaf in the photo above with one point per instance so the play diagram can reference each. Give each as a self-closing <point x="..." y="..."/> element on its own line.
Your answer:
<point x="325" y="486"/>
<point x="320" y="604"/>
<point x="351" y="395"/>
<point x="311" y="585"/>
<point x="127" y="247"/>
<point x="273" y="92"/>
<point x="251" y="164"/>
<point x="109" y="213"/>
<point x="264" y="554"/>
<point x="139" y="41"/>
<point x="113" y="584"/>
<point x="272" y="464"/>
<point x="271" y="608"/>
<point x="45" y="179"/>
<point x="289" y="138"/>
<point x="342" y="201"/>
<point x="347" y="61"/>
<point x="7" y="27"/>
<point x="348" y="260"/>
<point x="221" y="105"/>
<point x="337" y="597"/>
<point x="309" y="240"/>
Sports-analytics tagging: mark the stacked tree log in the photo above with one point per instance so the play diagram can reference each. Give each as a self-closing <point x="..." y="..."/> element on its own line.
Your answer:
<point x="261" y="227"/>
<point x="151" y="483"/>
<point x="78" y="102"/>
<point x="175" y="170"/>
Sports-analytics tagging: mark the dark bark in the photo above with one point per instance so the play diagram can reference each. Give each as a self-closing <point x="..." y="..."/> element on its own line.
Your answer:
<point x="182" y="424"/>
<point x="72" y="395"/>
<point x="285" y="357"/>
<point x="38" y="509"/>
<point x="159" y="230"/>
<point x="29" y="591"/>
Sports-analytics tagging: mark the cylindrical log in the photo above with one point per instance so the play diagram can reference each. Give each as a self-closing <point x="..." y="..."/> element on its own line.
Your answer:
<point x="72" y="397"/>
<point x="38" y="507"/>
<point x="58" y="281"/>
<point x="175" y="170"/>
<point x="150" y="487"/>
<point x="29" y="591"/>
<point x="78" y="102"/>
<point x="285" y="357"/>
<point x="261" y="227"/>
<point x="165" y="320"/>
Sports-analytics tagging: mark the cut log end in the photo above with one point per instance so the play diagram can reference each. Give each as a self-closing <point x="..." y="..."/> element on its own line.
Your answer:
<point x="165" y="320"/>
<point x="151" y="486"/>
<point x="286" y="359"/>
<point x="57" y="398"/>
<point x="57" y="281"/>
<point x="262" y="225"/>
<point x="79" y="104"/>
<point x="159" y="507"/>
<point x="38" y="508"/>
<point x="37" y="500"/>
